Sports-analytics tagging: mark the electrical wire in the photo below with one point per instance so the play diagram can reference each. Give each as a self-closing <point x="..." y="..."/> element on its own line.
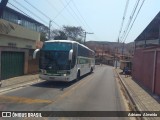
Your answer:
<point x="78" y="18"/>
<point x="20" y="10"/>
<point x="30" y="11"/>
<point x="37" y="9"/>
<point x="134" y="20"/>
<point x="55" y="9"/>
<point x="84" y="19"/>
<point x="124" y="15"/>
<point x="70" y="13"/>
<point x="130" y="20"/>
<point x="62" y="9"/>
<point x="80" y="14"/>
<point x="42" y="13"/>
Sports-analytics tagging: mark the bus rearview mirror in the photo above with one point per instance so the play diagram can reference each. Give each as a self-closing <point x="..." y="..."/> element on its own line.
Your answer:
<point x="35" y="53"/>
<point x="70" y="54"/>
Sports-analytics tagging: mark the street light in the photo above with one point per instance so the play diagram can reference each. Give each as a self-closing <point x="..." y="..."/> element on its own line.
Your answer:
<point x="85" y="33"/>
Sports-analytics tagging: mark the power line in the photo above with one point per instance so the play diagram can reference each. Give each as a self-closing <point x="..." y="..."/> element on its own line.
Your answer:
<point x="80" y="14"/>
<point x="20" y="10"/>
<point x="54" y="8"/>
<point x="50" y="3"/>
<point x="75" y="14"/>
<point x="62" y="9"/>
<point x="124" y="15"/>
<point x="37" y="9"/>
<point x="70" y="13"/>
<point x="134" y="20"/>
<point x="130" y="20"/>
<point x="30" y="11"/>
<point x="76" y="17"/>
<point x="83" y="18"/>
<point x="42" y="13"/>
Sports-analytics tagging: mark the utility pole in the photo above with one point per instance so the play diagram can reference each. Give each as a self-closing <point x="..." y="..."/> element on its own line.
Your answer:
<point x="116" y="52"/>
<point x="116" y="56"/>
<point x="122" y="50"/>
<point x="49" y="32"/>
<point x="85" y="35"/>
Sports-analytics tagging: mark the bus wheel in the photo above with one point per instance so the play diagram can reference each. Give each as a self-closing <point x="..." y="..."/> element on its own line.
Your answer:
<point x="91" y="70"/>
<point x="78" y="76"/>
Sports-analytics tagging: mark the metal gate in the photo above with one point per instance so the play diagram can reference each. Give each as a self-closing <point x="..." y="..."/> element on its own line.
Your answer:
<point x="12" y="64"/>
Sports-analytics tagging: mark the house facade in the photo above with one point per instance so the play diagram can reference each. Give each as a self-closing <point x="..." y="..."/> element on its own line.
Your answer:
<point x="19" y="36"/>
<point x="146" y="64"/>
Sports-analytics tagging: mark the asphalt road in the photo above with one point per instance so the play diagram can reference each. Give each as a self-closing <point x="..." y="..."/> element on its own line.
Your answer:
<point x="98" y="91"/>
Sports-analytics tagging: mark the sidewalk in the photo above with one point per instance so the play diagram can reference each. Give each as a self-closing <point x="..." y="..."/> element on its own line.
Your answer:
<point x="143" y="100"/>
<point x="19" y="81"/>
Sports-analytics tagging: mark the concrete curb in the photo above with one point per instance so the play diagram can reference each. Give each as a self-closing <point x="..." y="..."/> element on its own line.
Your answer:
<point x="130" y="98"/>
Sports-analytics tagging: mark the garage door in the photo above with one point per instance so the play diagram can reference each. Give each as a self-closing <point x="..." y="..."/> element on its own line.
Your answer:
<point x="12" y="64"/>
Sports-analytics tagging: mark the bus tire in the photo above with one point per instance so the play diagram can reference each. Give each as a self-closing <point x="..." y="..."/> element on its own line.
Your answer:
<point x="78" y="76"/>
<point x="91" y="70"/>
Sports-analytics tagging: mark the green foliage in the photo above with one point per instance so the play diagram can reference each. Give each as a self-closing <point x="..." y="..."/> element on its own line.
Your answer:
<point x="67" y="32"/>
<point x="74" y="33"/>
<point x="61" y="36"/>
<point x="43" y="36"/>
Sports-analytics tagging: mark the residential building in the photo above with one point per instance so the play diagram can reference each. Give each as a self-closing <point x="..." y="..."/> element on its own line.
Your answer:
<point x="146" y="65"/>
<point x="19" y="35"/>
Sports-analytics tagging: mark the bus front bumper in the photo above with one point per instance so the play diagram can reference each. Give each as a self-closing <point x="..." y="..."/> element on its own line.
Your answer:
<point x="54" y="78"/>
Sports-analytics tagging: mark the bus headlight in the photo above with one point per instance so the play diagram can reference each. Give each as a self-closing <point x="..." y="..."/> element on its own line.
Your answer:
<point x="43" y="71"/>
<point x="64" y="75"/>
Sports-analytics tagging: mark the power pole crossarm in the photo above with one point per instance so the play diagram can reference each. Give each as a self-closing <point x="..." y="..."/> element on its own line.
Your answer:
<point x="85" y="34"/>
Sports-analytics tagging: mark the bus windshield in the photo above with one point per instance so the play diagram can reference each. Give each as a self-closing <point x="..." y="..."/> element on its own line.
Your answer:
<point x="57" y="46"/>
<point x="54" y="56"/>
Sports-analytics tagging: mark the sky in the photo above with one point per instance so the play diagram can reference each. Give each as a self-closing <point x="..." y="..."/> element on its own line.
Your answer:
<point x="101" y="17"/>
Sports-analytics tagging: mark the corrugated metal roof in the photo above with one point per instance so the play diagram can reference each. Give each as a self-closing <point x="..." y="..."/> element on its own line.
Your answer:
<point x="20" y="15"/>
<point x="151" y="32"/>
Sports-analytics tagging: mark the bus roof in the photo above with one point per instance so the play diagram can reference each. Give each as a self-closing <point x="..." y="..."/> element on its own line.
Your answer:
<point x="68" y="41"/>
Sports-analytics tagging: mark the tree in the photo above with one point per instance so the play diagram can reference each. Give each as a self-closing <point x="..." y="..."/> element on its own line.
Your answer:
<point x="43" y="36"/>
<point x="67" y="32"/>
<point x="60" y="35"/>
<point x="43" y="33"/>
<point x="74" y="33"/>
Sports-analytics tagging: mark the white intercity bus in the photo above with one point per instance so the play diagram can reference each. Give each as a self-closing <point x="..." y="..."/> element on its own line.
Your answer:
<point x="64" y="60"/>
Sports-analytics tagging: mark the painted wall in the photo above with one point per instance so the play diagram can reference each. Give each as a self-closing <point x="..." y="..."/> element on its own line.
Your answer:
<point x="15" y="30"/>
<point x="17" y="36"/>
<point x="146" y="68"/>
